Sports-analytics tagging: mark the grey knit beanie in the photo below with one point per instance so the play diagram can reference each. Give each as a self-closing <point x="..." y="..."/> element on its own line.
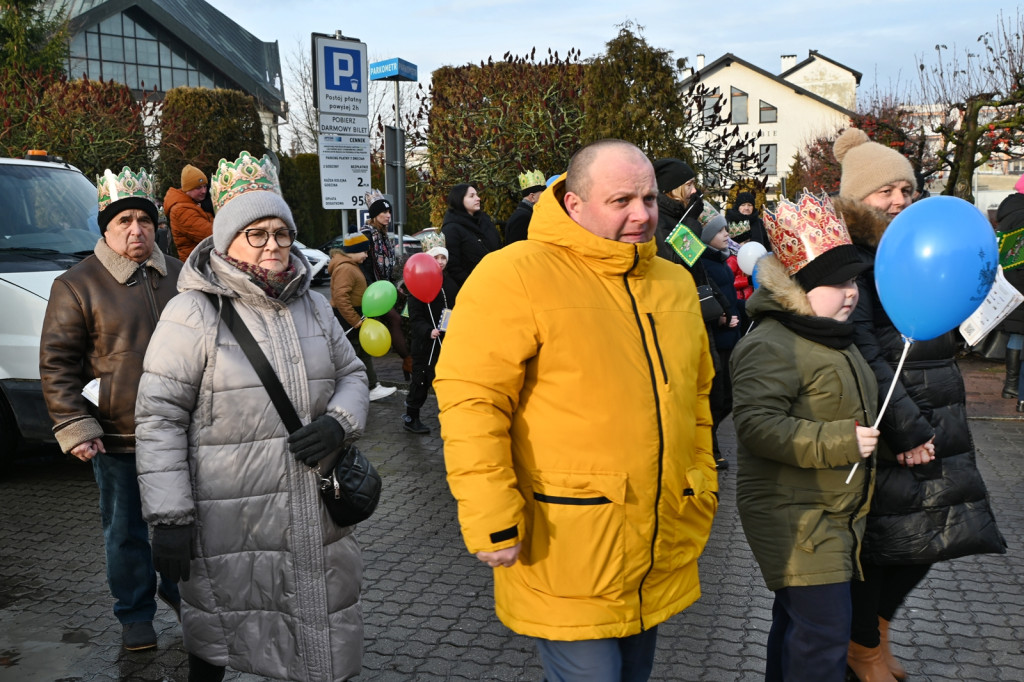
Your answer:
<point x="245" y="209"/>
<point x="713" y="227"/>
<point x="868" y="166"/>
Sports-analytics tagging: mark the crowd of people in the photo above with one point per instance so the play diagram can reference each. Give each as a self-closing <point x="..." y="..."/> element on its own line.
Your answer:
<point x="583" y="360"/>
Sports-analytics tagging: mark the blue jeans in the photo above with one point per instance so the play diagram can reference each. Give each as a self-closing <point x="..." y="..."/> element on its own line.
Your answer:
<point x="625" y="659"/>
<point x="130" y="572"/>
<point x="810" y="634"/>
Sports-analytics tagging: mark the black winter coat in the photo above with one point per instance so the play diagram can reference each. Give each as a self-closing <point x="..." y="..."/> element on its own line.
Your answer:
<point x="940" y="510"/>
<point x="669" y="213"/>
<point x="423" y="318"/>
<point x="1010" y="217"/>
<point x="468" y="239"/>
<point x="714" y="264"/>
<point x="517" y="227"/>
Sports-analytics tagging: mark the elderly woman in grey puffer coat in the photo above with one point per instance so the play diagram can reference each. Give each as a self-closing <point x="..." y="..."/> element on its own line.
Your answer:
<point x="270" y="583"/>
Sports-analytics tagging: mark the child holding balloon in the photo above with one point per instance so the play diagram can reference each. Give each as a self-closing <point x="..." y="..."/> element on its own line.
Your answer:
<point x="428" y="321"/>
<point x="347" y="287"/>
<point x="803" y="397"/>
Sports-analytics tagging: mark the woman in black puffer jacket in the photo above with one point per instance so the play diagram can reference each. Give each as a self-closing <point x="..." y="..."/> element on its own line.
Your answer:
<point x="930" y="501"/>
<point x="469" y="233"/>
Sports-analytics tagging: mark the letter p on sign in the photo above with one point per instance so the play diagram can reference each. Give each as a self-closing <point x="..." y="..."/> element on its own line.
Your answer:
<point x="342" y="69"/>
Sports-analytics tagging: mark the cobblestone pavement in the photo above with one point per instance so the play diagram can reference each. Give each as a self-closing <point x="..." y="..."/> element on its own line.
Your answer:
<point x="427" y="603"/>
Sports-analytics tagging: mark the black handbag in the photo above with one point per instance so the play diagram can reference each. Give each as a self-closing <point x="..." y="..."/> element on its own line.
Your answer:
<point x="710" y="308"/>
<point x="352" y="490"/>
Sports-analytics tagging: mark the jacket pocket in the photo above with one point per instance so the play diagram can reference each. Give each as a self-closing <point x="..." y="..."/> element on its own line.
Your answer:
<point x="686" y="522"/>
<point x="575" y="543"/>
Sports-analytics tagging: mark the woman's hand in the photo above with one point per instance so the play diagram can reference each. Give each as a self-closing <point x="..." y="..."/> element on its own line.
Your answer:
<point x="922" y="454"/>
<point x="434" y="333"/>
<point x="867" y="440"/>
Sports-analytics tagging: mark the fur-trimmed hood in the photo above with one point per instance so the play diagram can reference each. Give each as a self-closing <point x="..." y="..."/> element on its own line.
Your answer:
<point x="121" y="267"/>
<point x="777" y="291"/>
<point x="866" y="224"/>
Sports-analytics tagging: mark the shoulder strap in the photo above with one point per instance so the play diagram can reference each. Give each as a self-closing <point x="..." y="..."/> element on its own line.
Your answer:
<point x="260" y="363"/>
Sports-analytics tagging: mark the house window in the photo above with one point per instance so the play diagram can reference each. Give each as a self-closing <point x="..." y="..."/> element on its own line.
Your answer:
<point x="711" y="101"/>
<point x="738" y="105"/>
<point x="769" y="114"/>
<point x="770" y="159"/>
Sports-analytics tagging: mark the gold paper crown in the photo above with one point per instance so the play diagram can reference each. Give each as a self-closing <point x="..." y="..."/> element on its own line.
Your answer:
<point x="431" y="237"/>
<point x="707" y="214"/>
<point x="739" y="228"/>
<point x="111" y="188"/>
<point x="243" y="175"/>
<point x="530" y="179"/>
<point x="800" y="232"/>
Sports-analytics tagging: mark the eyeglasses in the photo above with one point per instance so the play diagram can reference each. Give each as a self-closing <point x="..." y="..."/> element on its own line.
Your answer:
<point x="258" y="238"/>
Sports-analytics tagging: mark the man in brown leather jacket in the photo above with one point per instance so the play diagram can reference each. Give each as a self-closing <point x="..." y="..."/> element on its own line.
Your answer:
<point x="98" y="322"/>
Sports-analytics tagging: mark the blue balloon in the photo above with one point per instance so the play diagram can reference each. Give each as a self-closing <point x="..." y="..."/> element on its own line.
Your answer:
<point x="753" y="277"/>
<point x="935" y="265"/>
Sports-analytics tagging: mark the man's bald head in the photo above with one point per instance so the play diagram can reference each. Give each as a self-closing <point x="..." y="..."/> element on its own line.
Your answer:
<point x="578" y="177"/>
<point x="611" y="192"/>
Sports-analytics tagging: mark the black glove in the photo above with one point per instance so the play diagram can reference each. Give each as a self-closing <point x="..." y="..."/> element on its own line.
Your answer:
<point x="318" y="439"/>
<point x="172" y="551"/>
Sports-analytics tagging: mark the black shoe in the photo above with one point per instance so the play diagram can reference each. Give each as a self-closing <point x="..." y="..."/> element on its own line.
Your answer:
<point x="413" y="424"/>
<point x="174" y="604"/>
<point x="138" y="636"/>
<point x="721" y="463"/>
<point x="1020" y="405"/>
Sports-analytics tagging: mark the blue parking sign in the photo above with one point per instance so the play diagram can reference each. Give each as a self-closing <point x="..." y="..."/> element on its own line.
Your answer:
<point x="342" y="69"/>
<point x="341" y="76"/>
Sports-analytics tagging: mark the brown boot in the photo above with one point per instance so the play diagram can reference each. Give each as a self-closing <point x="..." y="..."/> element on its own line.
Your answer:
<point x="894" y="666"/>
<point x="867" y="664"/>
<point x="407" y="367"/>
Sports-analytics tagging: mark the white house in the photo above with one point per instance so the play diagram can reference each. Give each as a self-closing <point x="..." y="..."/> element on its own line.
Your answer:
<point x="808" y="99"/>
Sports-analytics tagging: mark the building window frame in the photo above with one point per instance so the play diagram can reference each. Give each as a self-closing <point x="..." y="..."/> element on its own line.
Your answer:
<point x="738" y="105"/>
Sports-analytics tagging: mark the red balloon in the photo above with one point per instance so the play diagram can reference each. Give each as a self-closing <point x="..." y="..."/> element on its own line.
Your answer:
<point x="423" y="277"/>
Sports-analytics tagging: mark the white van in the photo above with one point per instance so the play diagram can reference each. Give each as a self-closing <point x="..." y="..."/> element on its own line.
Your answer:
<point x="47" y="224"/>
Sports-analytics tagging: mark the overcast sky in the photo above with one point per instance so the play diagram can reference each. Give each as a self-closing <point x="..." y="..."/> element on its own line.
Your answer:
<point x="878" y="38"/>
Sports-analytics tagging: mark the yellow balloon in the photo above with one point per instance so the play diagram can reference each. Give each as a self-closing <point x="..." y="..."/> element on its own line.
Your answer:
<point x="374" y="338"/>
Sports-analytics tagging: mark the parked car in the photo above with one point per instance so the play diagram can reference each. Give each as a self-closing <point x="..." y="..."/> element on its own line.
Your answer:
<point x="412" y="243"/>
<point x="318" y="259"/>
<point x="47" y="224"/>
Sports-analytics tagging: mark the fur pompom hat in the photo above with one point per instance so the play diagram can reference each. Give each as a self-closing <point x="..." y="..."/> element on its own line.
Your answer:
<point x="867" y="165"/>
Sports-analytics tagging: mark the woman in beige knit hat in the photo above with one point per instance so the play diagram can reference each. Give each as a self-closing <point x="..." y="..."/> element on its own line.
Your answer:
<point x="930" y="503"/>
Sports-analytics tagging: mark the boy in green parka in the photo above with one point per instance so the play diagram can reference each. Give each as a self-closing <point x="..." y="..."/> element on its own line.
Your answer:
<point x="802" y="397"/>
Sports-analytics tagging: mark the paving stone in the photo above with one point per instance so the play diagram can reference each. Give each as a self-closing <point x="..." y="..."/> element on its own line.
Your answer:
<point x="428" y="604"/>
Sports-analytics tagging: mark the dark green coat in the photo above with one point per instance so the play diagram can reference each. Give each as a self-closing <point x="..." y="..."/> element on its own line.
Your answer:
<point x="795" y="405"/>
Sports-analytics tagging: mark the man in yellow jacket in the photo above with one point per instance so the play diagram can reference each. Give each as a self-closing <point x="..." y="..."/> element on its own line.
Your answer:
<point x="573" y="387"/>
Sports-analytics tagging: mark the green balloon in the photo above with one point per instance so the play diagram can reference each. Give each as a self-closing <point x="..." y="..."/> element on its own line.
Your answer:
<point x="379" y="298"/>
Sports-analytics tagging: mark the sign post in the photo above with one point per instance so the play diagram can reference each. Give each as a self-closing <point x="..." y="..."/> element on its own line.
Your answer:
<point x="395" y="70"/>
<point x="340" y="96"/>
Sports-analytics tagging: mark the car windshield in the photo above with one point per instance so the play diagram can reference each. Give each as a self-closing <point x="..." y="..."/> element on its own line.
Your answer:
<point x="46" y="208"/>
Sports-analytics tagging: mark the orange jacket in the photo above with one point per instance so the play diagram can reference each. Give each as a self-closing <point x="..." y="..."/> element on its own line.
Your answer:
<point x="190" y="224"/>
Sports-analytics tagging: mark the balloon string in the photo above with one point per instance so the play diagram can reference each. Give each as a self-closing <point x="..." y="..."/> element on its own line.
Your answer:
<point x="361" y="320"/>
<point x="885" y="403"/>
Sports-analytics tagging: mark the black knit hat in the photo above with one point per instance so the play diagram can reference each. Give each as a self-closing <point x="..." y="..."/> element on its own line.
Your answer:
<point x="743" y="198"/>
<point x="378" y="207"/>
<point x="835" y="266"/>
<point x="671" y="173"/>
